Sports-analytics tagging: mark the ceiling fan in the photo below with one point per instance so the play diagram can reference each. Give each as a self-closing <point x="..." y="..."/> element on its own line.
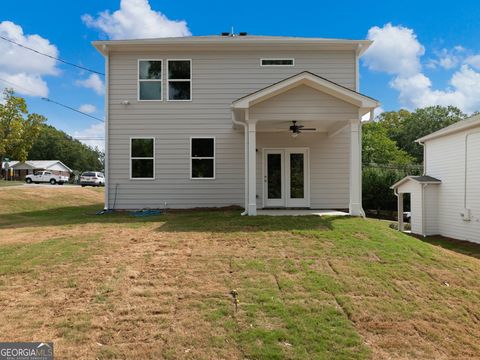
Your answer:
<point x="297" y="129"/>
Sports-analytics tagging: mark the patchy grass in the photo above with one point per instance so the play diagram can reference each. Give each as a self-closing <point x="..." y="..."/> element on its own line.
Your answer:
<point x="5" y="183"/>
<point x="308" y="287"/>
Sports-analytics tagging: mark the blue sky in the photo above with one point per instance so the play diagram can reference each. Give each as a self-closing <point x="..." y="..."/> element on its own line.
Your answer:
<point x="428" y="55"/>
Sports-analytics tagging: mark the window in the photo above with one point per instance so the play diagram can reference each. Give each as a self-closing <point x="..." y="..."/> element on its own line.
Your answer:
<point x="150" y="80"/>
<point x="277" y="62"/>
<point x="180" y="80"/>
<point x="142" y="158"/>
<point x="202" y="153"/>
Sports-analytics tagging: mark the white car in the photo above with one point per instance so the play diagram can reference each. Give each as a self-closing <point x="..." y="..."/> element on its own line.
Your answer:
<point x="46" y="177"/>
<point x="92" y="178"/>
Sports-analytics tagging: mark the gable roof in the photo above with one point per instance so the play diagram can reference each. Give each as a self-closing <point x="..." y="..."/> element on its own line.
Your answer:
<point x="466" y="124"/>
<point x="216" y="41"/>
<point x="310" y="79"/>
<point x="40" y="164"/>
<point x="423" y="179"/>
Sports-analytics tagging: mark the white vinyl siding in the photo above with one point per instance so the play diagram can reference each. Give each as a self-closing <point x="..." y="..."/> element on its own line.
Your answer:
<point x="218" y="79"/>
<point x="445" y="160"/>
<point x="415" y="190"/>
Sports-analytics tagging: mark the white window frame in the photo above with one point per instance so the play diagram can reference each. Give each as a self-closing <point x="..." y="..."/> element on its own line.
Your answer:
<point x="277" y="58"/>
<point x="150" y="80"/>
<point x="203" y="158"/>
<point x="168" y="79"/>
<point x="141" y="158"/>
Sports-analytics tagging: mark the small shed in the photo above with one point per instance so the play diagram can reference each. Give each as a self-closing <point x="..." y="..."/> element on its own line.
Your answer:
<point x="423" y="203"/>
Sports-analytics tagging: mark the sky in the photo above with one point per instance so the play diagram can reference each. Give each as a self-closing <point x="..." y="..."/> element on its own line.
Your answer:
<point x="424" y="52"/>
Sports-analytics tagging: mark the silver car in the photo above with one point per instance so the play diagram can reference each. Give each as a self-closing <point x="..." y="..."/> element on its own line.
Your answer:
<point x="92" y="178"/>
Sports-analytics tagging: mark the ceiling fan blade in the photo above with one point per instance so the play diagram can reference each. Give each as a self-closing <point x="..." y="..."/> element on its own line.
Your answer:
<point x="309" y="129"/>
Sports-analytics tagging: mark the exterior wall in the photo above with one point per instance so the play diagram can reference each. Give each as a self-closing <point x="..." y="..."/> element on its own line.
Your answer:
<point x="415" y="191"/>
<point x="329" y="165"/>
<point x="303" y="103"/>
<point x="218" y="78"/>
<point x="445" y="160"/>
<point x="431" y="209"/>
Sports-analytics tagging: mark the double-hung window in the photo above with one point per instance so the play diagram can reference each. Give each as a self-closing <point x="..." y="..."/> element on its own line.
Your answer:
<point x="179" y="80"/>
<point x="142" y="158"/>
<point x="202" y="157"/>
<point x="150" y="80"/>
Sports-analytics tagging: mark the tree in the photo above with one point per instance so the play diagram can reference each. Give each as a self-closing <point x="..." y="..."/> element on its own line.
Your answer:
<point x="56" y="144"/>
<point x="405" y="127"/>
<point x="378" y="148"/>
<point x="18" y="128"/>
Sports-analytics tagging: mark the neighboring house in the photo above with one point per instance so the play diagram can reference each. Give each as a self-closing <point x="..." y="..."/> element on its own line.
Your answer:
<point x="213" y="121"/>
<point x="446" y="200"/>
<point x="21" y="169"/>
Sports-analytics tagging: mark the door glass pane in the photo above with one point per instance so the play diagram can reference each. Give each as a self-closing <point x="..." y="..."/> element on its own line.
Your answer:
<point x="296" y="176"/>
<point x="274" y="175"/>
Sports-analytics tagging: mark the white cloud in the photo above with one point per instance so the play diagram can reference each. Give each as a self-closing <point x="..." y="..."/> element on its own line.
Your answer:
<point x="473" y="60"/>
<point x="87" y="108"/>
<point x="395" y="50"/>
<point x="94" y="131"/>
<point x="136" y="20"/>
<point x="22" y="66"/>
<point x="447" y="59"/>
<point x="93" y="82"/>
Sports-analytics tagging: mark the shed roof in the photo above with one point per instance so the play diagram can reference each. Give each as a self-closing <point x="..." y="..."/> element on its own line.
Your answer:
<point x="423" y="179"/>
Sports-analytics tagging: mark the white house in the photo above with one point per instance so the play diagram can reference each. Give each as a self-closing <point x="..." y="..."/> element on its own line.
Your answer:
<point x="446" y="200"/>
<point x="254" y="121"/>
<point x="21" y="169"/>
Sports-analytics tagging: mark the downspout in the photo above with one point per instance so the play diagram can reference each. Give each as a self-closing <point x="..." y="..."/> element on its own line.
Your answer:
<point x="107" y="90"/>
<point x="245" y="212"/>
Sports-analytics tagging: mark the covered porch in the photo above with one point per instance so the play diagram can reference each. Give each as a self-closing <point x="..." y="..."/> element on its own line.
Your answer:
<point x="302" y="145"/>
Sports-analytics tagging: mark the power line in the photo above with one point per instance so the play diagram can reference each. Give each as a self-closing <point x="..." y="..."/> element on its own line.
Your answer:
<point x="52" y="57"/>
<point x="53" y="101"/>
<point x="71" y="108"/>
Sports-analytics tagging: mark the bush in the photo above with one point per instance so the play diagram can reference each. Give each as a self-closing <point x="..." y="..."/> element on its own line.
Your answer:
<point x="376" y="183"/>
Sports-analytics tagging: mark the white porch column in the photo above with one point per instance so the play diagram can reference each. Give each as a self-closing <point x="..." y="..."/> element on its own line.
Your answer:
<point x="252" y="157"/>
<point x="400" y="211"/>
<point x="356" y="168"/>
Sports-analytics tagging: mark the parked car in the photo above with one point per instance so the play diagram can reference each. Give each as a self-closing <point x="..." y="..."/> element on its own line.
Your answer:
<point x="92" y="178"/>
<point x="46" y="177"/>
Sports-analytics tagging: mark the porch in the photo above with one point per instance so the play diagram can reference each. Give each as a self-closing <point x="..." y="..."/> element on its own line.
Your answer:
<point x="302" y="144"/>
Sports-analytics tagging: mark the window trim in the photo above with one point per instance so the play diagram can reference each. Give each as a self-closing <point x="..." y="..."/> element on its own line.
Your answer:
<point x="150" y="80"/>
<point x="140" y="158"/>
<point x="190" y="80"/>
<point x="277" y="58"/>
<point x="203" y="158"/>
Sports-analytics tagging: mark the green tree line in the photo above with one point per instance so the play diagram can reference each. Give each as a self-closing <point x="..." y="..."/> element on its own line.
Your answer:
<point x="26" y="136"/>
<point x="390" y="152"/>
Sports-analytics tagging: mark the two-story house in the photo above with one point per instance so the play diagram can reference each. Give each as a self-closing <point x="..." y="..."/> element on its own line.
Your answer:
<point x="254" y="121"/>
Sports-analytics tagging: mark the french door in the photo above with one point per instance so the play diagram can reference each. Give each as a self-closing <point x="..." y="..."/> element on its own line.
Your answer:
<point x="286" y="178"/>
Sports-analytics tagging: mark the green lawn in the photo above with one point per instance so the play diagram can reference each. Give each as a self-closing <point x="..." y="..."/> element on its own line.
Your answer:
<point x="160" y="287"/>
